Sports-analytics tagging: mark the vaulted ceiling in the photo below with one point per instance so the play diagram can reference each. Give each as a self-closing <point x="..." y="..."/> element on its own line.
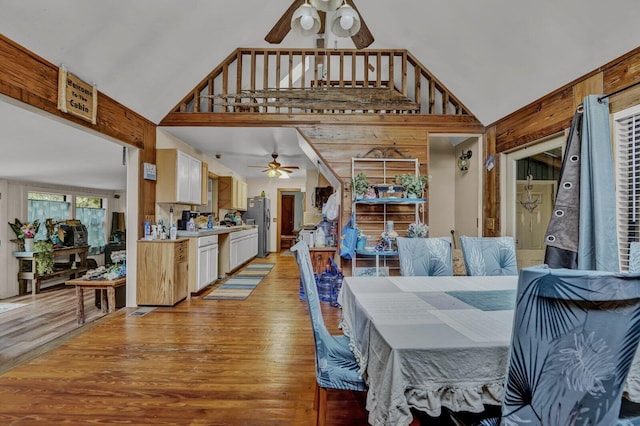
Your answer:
<point x="495" y="56"/>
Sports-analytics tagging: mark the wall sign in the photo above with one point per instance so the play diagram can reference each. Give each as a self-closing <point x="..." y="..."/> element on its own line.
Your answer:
<point x="77" y="97"/>
<point x="149" y="171"/>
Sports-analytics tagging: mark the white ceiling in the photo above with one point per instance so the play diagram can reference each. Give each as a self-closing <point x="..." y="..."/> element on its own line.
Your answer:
<point x="495" y="56"/>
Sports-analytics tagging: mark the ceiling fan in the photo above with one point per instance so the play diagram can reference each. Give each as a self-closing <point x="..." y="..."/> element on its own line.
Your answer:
<point x="275" y="169"/>
<point x="363" y="38"/>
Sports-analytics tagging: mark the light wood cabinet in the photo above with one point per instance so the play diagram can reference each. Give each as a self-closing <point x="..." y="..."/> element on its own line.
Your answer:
<point x="232" y="193"/>
<point x="163" y="270"/>
<point x="179" y="178"/>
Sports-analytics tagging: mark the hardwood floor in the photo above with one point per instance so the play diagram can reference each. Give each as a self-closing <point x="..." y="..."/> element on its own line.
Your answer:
<point x="202" y="362"/>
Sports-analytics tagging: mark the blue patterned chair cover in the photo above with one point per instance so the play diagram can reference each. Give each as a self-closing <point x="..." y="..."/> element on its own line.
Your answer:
<point x="634" y="258"/>
<point x="425" y="256"/>
<point x="575" y="334"/>
<point x="336" y="366"/>
<point x="489" y="255"/>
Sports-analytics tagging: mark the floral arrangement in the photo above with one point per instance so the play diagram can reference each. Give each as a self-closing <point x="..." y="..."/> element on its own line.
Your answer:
<point x="44" y="257"/>
<point x="25" y="230"/>
<point x="418" y="230"/>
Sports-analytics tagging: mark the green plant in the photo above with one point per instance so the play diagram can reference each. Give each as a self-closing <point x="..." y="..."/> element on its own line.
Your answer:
<point x="412" y="184"/>
<point x="44" y="256"/>
<point x="359" y="184"/>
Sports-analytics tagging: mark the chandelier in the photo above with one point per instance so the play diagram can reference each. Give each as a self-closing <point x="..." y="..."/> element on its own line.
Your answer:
<point x="344" y="23"/>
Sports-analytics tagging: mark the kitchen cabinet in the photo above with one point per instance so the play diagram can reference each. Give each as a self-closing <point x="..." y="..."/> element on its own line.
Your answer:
<point x="163" y="269"/>
<point x="236" y="248"/>
<point x="232" y="193"/>
<point x="204" y="271"/>
<point x="179" y="178"/>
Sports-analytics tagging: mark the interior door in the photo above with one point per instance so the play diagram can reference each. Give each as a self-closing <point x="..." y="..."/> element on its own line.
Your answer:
<point x="287" y="214"/>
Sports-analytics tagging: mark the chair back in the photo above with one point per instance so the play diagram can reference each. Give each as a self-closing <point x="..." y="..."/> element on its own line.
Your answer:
<point x="321" y="335"/>
<point x="574" y="337"/>
<point x="425" y="256"/>
<point x="634" y="257"/>
<point x="489" y="255"/>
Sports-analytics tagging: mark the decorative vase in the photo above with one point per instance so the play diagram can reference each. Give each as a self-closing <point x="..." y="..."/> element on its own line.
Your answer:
<point x="28" y="244"/>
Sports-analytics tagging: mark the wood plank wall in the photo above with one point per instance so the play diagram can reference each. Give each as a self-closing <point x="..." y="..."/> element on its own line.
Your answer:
<point x="551" y="115"/>
<point x="28" y="78"/>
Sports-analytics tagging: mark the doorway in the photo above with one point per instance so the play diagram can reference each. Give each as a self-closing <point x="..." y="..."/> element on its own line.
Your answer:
<point x="530" y="177"/>
<point x="290" y="214"/>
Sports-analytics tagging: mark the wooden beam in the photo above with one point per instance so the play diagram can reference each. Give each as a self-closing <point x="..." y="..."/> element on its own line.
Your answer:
<point x="434" y="123"/>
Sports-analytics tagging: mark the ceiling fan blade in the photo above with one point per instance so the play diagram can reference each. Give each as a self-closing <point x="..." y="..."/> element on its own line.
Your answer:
<point x="362" y="38"/>
<point x="283" y="26"/>
<point x="289" y="167"/>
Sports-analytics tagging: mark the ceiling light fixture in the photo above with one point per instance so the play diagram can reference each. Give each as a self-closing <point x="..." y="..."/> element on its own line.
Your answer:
<point x="306" y="20"/>
<point x="345" y="22"/>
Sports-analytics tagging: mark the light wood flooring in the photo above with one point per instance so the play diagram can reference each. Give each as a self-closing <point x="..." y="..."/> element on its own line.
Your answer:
<point x="202" y="362"/>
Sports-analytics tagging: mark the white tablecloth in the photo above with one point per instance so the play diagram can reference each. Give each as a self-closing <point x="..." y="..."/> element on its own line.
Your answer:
<point x="429" y="342"/>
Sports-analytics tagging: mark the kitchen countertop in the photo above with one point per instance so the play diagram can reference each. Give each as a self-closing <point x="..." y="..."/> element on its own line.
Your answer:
<point x="216" y="230"/>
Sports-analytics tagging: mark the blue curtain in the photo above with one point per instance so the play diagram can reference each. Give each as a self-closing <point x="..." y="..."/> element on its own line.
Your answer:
<point x="582" y="229"/>
<point x="93" y="219"/>
<point x="597" y="244"/>
<point x="42" y="209"/>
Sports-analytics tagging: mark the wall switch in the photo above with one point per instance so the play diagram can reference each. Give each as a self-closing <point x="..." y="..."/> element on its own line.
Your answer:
<point x="491" y="223"/>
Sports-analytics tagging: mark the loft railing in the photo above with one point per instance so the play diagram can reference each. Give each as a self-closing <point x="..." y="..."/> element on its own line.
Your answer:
<point x="300" y="81"/>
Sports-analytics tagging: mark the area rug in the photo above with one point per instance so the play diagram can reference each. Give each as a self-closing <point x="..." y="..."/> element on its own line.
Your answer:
<point x="241" y="284"/>
<point x="6" y="307"/>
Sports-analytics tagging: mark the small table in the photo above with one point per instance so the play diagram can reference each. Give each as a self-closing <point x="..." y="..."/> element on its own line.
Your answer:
<point x="107" y="294"/>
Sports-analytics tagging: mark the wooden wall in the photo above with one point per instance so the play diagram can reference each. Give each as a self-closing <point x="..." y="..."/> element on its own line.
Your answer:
<point x="551" y="115"/>
<point x="29" y="78"/>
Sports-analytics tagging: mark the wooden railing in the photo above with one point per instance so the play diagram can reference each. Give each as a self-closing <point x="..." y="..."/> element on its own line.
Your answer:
<point x="321" y="81"/>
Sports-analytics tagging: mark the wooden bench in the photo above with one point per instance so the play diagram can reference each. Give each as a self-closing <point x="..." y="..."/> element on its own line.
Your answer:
<point x="287" y="241"/>
<point x="107" y="294"/>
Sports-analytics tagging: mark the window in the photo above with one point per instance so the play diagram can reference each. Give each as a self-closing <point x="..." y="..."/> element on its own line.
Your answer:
<point x="626" y="130"/>
<point x="91" y="214"/>
<point x="43" y="206"/>
<point x="58" y="207"/>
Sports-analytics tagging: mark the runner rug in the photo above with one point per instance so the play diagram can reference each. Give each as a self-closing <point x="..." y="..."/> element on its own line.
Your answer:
<point x="242" y="283"/>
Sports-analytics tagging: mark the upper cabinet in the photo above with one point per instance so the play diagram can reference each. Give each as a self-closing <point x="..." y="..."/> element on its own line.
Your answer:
<point x="232" y="193"/>
<point x="180" y="177"/>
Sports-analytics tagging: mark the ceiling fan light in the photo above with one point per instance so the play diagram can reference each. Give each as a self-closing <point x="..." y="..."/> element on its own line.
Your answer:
<point x="271" y="173"/>
<point x="306" y="20"/>
<point x="283" y="175"/>
<point x="346" y="22"/>
<point x="326" y="5"/>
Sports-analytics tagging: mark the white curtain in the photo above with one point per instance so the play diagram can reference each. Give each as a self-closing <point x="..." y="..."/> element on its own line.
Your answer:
<point x="93" y="219"/>
<point x="43" y="209"/>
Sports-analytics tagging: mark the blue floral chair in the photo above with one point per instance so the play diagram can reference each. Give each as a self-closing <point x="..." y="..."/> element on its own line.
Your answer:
<point x="634" y="258"/>
<point x="425" y="256"/>
<point x="575" y="334"/>
<point x="336" y="366"/>
<point x="489" y="255"/>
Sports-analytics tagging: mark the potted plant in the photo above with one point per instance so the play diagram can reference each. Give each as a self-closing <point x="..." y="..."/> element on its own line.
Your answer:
<point x="44" y="257"/>
<point x="414" y="185"/>
<point x="359" y="186"/>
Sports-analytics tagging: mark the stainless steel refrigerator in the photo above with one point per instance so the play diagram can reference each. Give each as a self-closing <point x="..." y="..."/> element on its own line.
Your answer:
<point x="258" y="209"/>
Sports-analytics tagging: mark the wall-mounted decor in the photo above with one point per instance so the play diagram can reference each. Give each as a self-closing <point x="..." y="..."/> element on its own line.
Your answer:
<point x="149" y="171"/>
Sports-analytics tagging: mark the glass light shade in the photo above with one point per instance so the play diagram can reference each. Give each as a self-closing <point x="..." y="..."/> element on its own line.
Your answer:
<point x="326" y="5"/>
<point x="283" y="175"/>
<point x="271" y="173"/>
<point x="305" y="20"/>
<point x="344" y="16"/>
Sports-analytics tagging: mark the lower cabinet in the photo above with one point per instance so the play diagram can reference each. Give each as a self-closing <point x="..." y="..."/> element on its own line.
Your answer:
<point x="163" y="268"/>
<point x="236" y="248"/>
<point x="207" y="262"/>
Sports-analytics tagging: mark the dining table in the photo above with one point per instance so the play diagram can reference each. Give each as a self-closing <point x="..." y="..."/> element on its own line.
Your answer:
<point x="425" y="343"/>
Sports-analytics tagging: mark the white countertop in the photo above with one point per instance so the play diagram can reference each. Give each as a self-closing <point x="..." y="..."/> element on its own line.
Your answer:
<point x="216" y="230"/>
